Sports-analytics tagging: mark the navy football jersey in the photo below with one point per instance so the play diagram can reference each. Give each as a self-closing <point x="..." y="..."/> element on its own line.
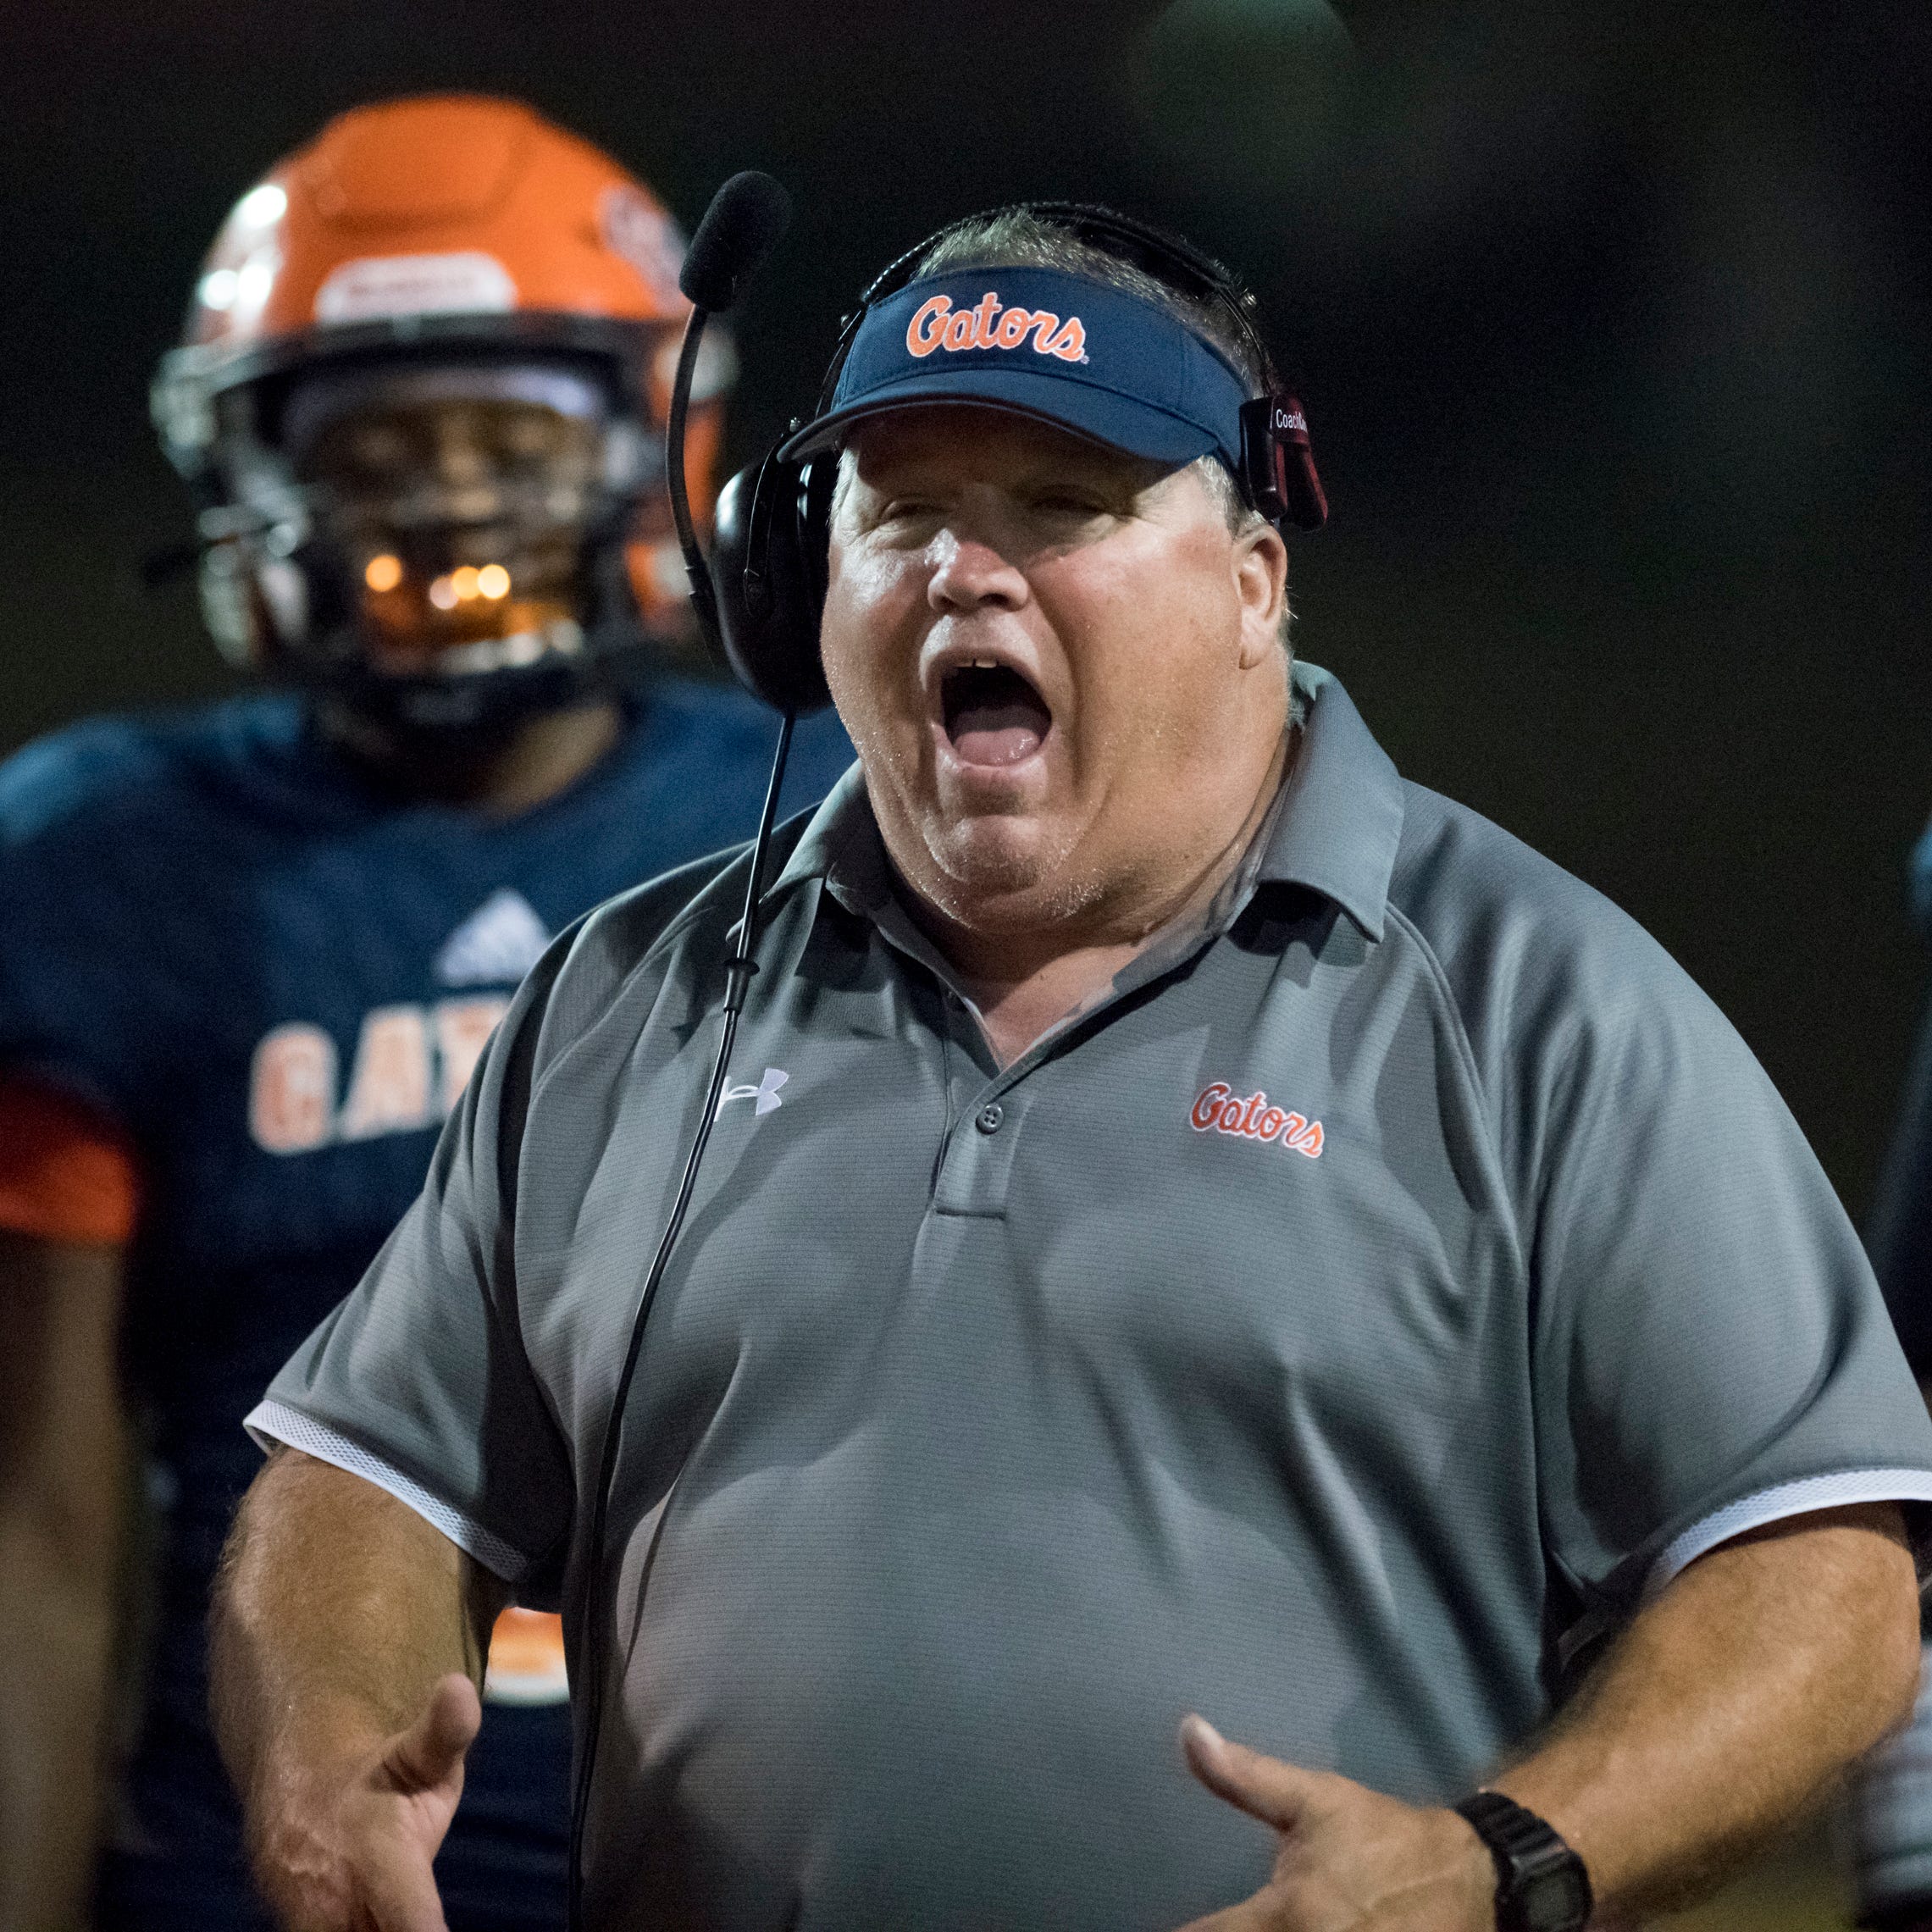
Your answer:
<point x="276" y="981"/>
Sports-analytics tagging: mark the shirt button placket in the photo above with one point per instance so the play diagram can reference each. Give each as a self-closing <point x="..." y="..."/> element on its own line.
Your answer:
<point x="978" y="1164"/>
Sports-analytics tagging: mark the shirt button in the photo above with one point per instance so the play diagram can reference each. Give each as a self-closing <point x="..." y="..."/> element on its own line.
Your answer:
<point x="990" y="1116"/>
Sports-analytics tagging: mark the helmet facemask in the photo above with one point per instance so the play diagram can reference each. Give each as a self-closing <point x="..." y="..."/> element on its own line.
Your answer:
<point x="440" y="541"/>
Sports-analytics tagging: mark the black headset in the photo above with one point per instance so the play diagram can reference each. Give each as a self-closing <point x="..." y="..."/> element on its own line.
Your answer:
<point x="768" y="555"/>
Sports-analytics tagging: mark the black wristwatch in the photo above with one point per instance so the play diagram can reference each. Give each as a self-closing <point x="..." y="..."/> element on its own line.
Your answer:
<point x="1541" y="1885"/>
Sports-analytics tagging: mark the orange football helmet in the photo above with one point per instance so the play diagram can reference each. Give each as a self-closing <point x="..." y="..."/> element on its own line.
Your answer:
<point x="422" y="396"/>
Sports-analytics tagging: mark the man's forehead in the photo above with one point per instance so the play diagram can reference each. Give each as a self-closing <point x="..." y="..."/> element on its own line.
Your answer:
<point x="963" y="439"/>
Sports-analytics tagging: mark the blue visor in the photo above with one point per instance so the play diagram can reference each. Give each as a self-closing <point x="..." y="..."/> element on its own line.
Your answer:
<point x="1043" y="343"/>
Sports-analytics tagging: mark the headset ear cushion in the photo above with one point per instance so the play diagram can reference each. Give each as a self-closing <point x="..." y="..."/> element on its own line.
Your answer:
<point x="768" y="570"/>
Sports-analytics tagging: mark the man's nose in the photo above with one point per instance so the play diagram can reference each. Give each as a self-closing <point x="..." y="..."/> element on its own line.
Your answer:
<point x="970" y="573"/>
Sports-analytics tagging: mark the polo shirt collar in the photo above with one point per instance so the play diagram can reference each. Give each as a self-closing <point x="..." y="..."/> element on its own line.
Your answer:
<point x="1335" y="831"/>
<point x="1338" y="827"/>
<point x="841" y="845"/>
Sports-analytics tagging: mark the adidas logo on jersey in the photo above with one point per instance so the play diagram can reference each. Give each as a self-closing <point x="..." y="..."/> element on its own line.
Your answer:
<point x="496" y="945"/>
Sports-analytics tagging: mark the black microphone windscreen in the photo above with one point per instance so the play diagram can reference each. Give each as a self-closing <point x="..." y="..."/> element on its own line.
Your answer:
<point x="746" y="217"/>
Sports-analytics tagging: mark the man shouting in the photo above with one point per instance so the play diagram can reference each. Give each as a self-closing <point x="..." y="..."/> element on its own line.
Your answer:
<point x="1198" y="1225"/>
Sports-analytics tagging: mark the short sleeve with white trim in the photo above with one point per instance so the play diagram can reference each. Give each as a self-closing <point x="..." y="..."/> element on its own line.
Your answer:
<point x="1398" y="1276"/>
<point x="1701" y="1313"/>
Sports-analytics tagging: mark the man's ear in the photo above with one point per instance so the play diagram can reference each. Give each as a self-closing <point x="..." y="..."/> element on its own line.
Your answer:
<point x="1261" y="584"/>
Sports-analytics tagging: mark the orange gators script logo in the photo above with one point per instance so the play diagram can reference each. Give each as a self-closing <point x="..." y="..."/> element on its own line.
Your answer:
<point x="990" y="324"/>
<point x="1220" y="1110"/>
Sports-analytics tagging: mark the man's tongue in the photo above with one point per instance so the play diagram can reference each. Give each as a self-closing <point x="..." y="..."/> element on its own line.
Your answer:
<point x="994" y="717"/>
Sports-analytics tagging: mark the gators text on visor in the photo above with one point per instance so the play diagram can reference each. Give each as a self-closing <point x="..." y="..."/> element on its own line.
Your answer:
<point x="1107" y="364"/>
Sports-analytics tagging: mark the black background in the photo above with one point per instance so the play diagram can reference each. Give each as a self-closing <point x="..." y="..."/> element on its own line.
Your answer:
<point x="1612" y="320"/>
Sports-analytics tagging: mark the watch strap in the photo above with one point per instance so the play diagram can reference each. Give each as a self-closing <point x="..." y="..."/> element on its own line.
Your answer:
<point x="1540" y="1883"/>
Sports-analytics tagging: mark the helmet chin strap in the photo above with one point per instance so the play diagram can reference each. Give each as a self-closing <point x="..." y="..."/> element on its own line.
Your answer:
<point x="507" y="760"/>
<point x="469" y="709"/>
<point x="300" y="606"/>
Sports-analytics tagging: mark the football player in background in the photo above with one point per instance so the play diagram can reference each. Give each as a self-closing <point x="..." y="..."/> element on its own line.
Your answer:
<point x="249" y="954"/>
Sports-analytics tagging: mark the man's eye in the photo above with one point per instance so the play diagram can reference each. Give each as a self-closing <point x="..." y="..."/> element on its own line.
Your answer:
<point x="1070" y="503"/>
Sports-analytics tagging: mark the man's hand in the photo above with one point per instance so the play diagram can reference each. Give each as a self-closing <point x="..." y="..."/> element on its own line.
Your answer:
<point x="1736" y="1697"/>
<point x="1349" y="1859"/>
<point x="345" y="1843"/>
<point x="348" y="1753"/>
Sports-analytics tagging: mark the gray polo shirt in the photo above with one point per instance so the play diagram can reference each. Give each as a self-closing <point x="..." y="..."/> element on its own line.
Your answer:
<point x="1382" y="1290"/>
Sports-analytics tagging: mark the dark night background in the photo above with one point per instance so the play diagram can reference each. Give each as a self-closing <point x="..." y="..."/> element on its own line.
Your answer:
<point x="1612" y="320"/>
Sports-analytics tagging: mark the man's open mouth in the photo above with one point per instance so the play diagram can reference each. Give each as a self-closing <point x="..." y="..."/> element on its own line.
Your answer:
<point x="992" y="715"/>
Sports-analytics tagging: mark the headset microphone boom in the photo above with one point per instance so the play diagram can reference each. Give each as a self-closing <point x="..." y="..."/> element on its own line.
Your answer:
<point x="740" y="229"/>
<point x="745" y="219"/>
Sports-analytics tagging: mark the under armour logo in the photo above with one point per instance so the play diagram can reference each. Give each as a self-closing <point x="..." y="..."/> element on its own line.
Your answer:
<point x="765" y="1093"/>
